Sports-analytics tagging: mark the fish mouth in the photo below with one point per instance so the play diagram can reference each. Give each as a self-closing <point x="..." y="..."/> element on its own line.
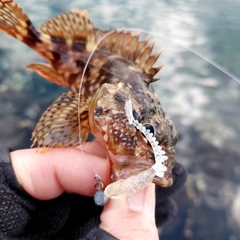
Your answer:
<point x="126" y="166"/>
<point x="127" y="169"/>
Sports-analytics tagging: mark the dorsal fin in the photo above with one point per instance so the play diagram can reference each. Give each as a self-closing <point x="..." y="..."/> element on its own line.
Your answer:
<point x="69" y="27"/>
<point x="124" y="44"/>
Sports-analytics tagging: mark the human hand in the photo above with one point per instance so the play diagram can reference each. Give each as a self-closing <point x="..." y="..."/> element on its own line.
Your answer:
<point x="132" y="217"/>
<point x="47" y="175"/>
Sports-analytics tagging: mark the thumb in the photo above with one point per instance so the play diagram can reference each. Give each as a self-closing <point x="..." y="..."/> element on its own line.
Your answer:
<point x="132" y="217"/>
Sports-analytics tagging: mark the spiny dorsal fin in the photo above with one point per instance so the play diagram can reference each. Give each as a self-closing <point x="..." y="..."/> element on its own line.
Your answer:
<point x="70" y="26"/>
<point x="59" y="124"/>
<point x="127" y="45"/>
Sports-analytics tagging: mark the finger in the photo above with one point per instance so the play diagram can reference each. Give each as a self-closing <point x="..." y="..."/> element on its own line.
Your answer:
<point x="46" y="175"/>
<point x="134" y="217"/>
<point x="94" y="148"/>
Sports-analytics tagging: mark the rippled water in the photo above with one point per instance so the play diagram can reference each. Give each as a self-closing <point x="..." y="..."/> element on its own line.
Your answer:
<point x="202" y="100"/>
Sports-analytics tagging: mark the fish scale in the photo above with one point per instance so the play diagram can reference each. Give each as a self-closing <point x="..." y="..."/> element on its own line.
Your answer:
<point x="111" y="68"/>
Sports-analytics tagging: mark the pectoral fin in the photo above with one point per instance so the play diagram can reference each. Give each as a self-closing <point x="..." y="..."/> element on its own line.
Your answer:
<point x="59" y="124"/>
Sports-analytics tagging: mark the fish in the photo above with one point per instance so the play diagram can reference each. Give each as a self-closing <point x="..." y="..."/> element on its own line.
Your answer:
<point x="101" y="69"/>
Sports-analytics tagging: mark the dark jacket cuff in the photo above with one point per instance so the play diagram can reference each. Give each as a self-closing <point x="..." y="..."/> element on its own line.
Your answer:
<point x="99" y="234"/>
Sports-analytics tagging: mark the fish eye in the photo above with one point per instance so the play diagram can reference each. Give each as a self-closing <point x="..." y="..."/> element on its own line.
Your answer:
<point x="149" y="127"/>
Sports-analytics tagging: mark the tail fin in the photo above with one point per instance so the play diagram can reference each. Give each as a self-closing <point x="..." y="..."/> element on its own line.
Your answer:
<point x="14" y="22"/>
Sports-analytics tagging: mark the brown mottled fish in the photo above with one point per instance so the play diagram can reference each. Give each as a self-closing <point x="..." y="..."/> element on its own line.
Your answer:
<point x="119" y="67"/>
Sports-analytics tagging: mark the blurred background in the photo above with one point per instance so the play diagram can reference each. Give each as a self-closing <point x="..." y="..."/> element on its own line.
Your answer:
<point x="203" y="101"/>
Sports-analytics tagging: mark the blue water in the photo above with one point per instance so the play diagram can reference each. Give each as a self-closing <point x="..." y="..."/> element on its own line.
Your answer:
<point x="201" y="99"/>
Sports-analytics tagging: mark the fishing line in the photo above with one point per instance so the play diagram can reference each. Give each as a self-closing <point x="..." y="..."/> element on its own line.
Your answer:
<point x="213" y="63"/>
<point x="79" y="100"/>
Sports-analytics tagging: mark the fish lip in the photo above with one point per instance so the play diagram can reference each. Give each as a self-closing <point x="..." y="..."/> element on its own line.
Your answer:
<point x="126" y="166"/>
<point x="165" y="181"/>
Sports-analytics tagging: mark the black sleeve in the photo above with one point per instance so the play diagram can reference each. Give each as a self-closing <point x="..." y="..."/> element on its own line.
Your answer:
<point x="15" y="205"/>
<point x="68" y="217"/>
<point x="98" y="234"/>
<point x="166" y="207"/>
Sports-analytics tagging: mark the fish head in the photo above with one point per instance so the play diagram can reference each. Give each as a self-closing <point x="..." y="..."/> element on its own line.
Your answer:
<point x="128" y="149"/>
